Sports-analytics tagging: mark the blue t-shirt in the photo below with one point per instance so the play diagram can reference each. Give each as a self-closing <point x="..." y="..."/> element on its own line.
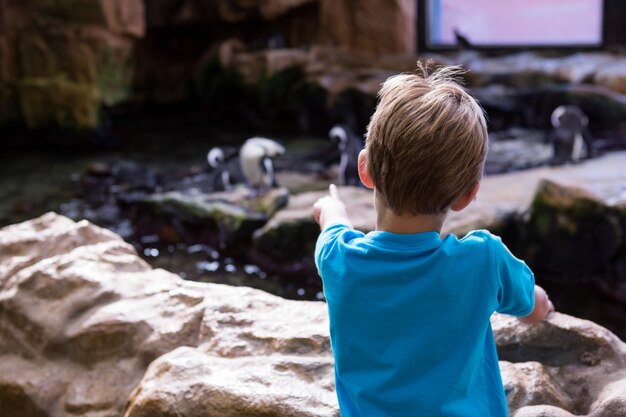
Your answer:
<point x="409" y="320"/>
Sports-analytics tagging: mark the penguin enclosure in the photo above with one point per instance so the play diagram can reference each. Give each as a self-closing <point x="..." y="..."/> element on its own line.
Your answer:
<point x="202" y="132"/>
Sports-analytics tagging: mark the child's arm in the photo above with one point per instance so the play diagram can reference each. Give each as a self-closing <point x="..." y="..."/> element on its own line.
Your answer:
<point x="330" y="210"/>
<point x="543" y="307"/>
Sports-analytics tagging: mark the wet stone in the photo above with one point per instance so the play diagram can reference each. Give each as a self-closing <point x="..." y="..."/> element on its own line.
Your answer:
<point x="232" y="215"/>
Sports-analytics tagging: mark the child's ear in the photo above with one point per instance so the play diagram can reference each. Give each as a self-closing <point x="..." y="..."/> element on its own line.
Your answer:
<point x="466" y="198"/>
<point x="363" y="175"/>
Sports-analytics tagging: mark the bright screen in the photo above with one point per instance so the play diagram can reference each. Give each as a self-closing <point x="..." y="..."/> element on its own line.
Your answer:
<point x="515" y="22"/>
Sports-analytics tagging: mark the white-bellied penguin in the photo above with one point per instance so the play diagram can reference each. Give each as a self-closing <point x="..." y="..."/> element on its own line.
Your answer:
<point x="224" y="167"/>
<point x="349" y="144"/>
<point x="256" y="161"/>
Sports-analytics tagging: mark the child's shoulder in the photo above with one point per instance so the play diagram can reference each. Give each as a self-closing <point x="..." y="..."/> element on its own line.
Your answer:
<point x="480" y="239"/>
<point x="480" y="235"/>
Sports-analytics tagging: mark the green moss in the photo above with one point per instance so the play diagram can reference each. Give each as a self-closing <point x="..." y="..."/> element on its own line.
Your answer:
<point x="114" y="77"/>
<point x="234" y="223"/>
<point x="571" y="232"/>
<point x="58" y="102"/>
<point x="271" y="202"/>
<point x="564" y="207"/>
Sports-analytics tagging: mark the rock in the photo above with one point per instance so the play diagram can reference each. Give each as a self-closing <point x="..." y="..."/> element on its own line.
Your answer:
<point x="239" y="10"/>
<point x="369" y="27"/>
<point x="517" y="149"/>
<point x="532" y="106"/>
<point x="573" y="232"/>
<point x="529" y="69"/>
<point x="530" y="383"/>
<point x="560" y="364"/>
<point x="62" y="61"/>
<point x="88" y="328"/>
<point x="612" y="76"/>
<point x="541" y="411"/>
<point x="191" y="383"/>
<point x="280" y="59"/>
<point x="292" y="232"/>
<point x="113" y="315"/>
<point x="125" y="16"/>
<point x="57" y="102"/>
<point x="230" y="216"/>
<point x="299" y="182"/>
<point x="272" y="9"/>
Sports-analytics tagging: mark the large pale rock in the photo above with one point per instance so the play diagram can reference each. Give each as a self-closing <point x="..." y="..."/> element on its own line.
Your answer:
<point x="81" y="317"/>
<point x="89" y="329"/>
<point x="194" y="384"/>
<point x="560" y="366"/>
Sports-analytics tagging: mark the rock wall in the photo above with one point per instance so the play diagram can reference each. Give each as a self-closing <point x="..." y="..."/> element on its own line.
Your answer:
<point x="61" y="60"/>
<point x="370" y="27"/>
<point x="89" y="329"/>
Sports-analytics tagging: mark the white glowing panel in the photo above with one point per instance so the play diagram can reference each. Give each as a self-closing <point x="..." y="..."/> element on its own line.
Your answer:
<point x="515" y="22"/>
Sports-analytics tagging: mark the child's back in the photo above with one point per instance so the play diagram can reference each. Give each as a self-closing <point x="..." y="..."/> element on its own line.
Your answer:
<point x="409" y="311"/>
<point x="410" y="320"/>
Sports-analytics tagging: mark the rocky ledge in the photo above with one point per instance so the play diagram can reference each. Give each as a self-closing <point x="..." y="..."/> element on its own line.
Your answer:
<point x="89" y="329"/>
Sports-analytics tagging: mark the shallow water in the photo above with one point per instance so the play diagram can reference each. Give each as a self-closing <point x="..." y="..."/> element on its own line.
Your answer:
<point x="37" y="181"/>
<point x="34" y="182"/>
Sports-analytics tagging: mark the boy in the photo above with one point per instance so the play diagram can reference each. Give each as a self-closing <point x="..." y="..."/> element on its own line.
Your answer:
<point x="409" y="311"/>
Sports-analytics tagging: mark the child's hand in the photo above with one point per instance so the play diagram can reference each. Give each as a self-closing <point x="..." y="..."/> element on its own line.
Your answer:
<point x="330" y="209"/>
<point x="543" y="307"/>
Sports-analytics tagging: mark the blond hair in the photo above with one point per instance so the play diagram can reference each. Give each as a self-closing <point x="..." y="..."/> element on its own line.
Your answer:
<point x="426" y="142"/>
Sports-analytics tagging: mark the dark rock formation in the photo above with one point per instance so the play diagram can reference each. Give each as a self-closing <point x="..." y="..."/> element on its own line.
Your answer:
<point x="576" y="235"/>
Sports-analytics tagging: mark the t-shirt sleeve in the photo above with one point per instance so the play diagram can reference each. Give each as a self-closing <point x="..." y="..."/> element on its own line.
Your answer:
<point x="515" y="281"/>
<point x="328" y="247"/>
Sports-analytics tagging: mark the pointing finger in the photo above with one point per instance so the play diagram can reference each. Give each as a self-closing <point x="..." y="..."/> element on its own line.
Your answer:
<point x="333" y="191"/>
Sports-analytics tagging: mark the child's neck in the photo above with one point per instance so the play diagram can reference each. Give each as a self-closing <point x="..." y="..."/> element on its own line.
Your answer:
<point x="388" y="221"/>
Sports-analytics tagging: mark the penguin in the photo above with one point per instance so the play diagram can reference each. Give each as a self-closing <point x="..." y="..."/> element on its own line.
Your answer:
<point x="350" y="145"/>
<point x="256" y="161"/>
<point x="461" y="41"/>
<point x="570" y="135"/>
<point x="224" y="166"/>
